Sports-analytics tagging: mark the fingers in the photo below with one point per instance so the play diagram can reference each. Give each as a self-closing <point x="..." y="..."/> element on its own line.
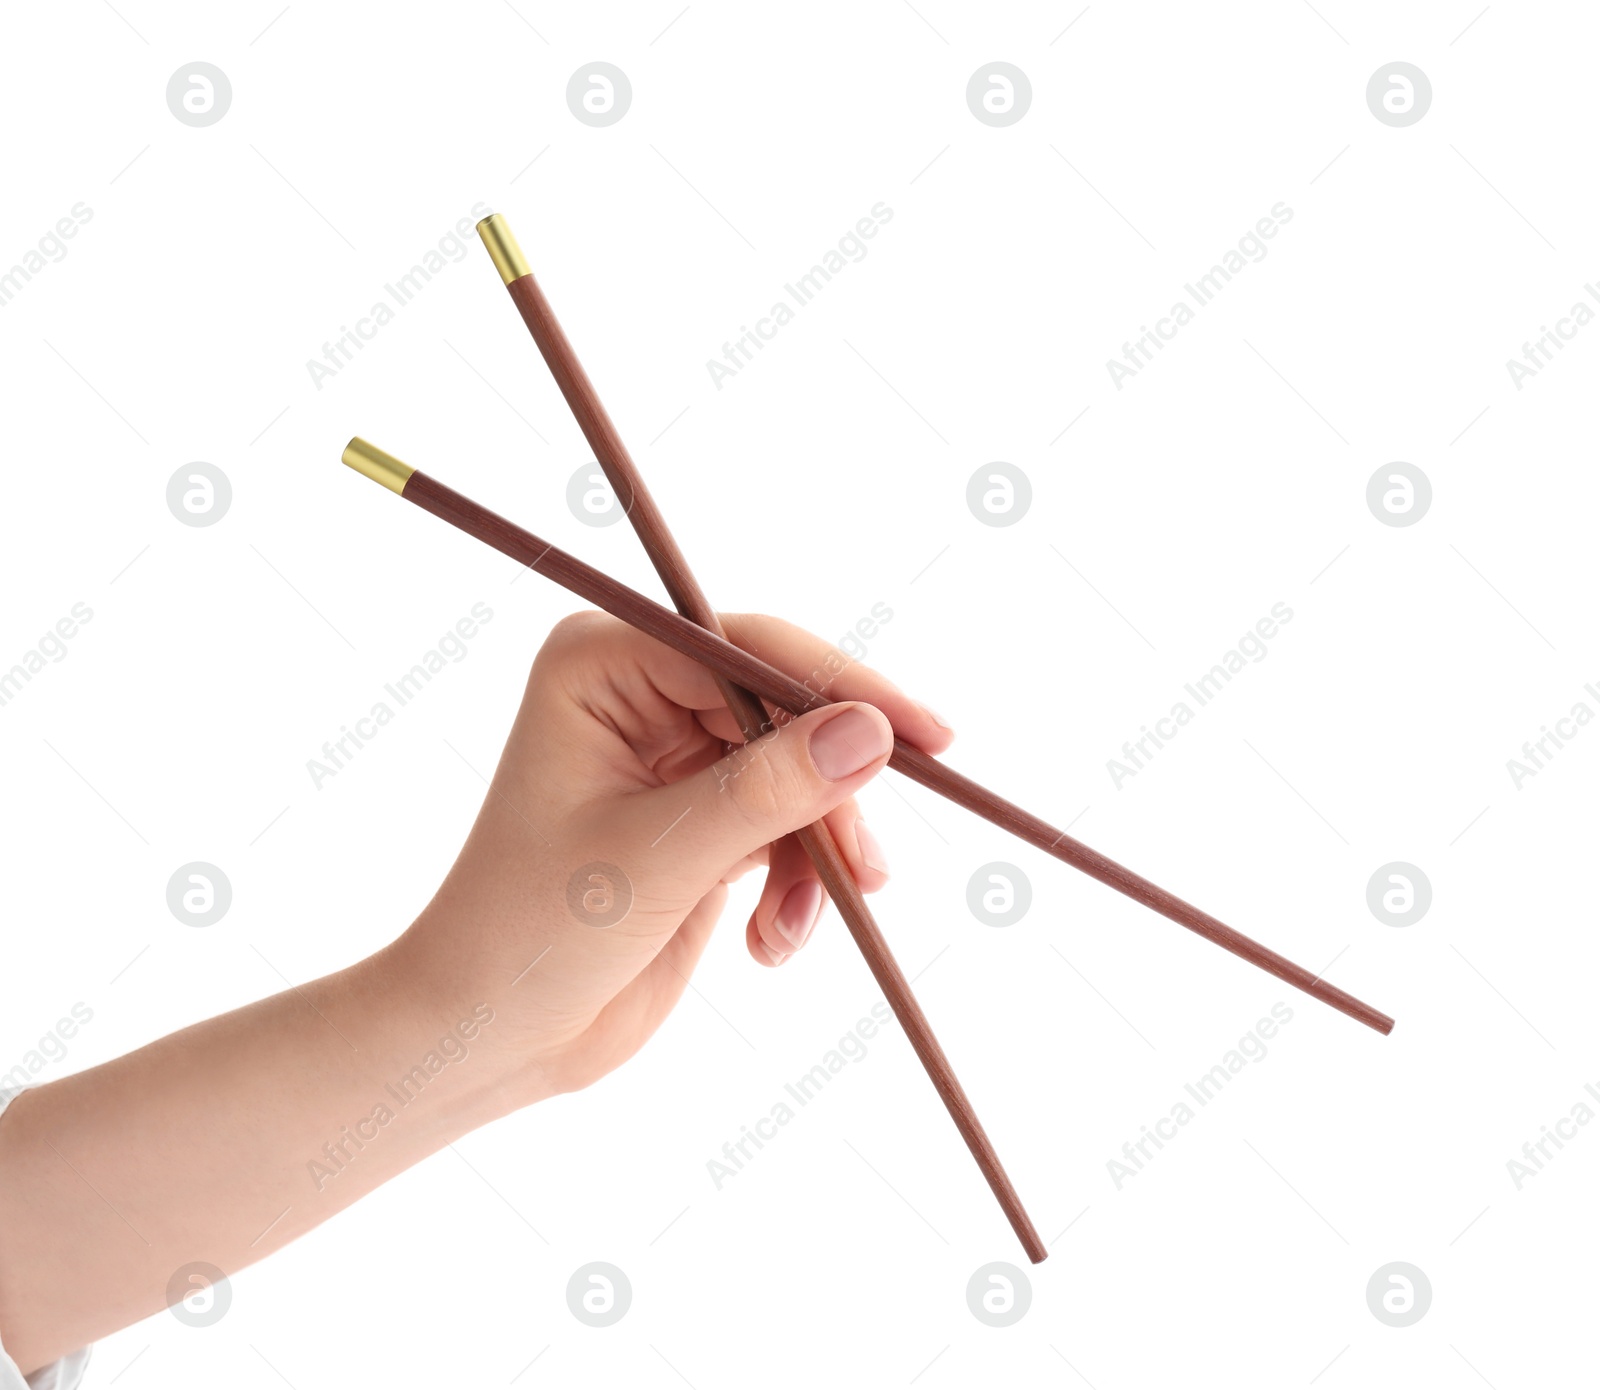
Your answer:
<point x="868" y="864"/>
<point x="690" y="831"/>
<point x="654" y="681"/>
<point x="791" y="905"/>
<point x="792" y="900"/>
<point x="833" y="675"/>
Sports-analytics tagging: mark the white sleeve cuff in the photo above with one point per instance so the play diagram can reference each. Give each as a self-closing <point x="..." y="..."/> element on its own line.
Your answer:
<point x="65" y="1374"/>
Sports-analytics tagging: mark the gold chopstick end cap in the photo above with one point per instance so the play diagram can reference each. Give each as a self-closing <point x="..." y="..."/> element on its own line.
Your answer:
<point x="503" y="249"/>
<point x="371" y="461"/>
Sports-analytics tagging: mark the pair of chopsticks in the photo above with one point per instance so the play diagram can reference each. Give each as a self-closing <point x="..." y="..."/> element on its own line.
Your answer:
<point x="745" y="681"/>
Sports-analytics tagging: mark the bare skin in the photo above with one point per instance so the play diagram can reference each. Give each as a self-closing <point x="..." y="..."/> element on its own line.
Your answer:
<point x="227" y="1140"/>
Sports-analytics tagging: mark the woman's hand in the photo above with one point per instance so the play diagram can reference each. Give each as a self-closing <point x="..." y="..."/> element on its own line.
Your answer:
<point x="561" y="938"/>
<point x="617" y="817"/>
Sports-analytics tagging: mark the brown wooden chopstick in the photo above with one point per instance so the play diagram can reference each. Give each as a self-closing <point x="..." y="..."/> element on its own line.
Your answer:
<point x="782" y="690"/>
<point x="690" y="600"/>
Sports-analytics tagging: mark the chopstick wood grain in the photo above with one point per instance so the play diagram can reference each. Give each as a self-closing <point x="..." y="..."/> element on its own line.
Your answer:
<point x="780" y="689"/>
<point x="752" y="716"/>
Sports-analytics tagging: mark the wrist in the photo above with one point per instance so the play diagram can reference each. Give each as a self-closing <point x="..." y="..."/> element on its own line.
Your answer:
<point x="467" y="1017"/>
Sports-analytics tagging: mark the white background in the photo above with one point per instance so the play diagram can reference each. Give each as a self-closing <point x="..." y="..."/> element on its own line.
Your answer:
<point x="828" y="476"/>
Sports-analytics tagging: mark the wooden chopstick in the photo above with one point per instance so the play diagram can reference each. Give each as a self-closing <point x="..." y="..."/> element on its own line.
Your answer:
<point x="777" y="688"/>
<point x="753" y="719"/>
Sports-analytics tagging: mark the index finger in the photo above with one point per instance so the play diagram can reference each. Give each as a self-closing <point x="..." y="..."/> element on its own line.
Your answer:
<point x="822" y="667"/>
<point x="635" y="663"/>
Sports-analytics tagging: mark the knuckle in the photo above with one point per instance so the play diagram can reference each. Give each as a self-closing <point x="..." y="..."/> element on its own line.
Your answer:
<point x="763" y="783"/>
<point x="578" y="628"/>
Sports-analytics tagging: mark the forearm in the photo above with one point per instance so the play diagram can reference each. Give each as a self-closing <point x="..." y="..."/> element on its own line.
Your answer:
<point x="224" y="1141"/>
<point x="561" y="939"/>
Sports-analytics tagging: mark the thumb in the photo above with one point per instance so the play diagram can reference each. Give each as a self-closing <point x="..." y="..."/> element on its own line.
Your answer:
<point x="761" y="791"/>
